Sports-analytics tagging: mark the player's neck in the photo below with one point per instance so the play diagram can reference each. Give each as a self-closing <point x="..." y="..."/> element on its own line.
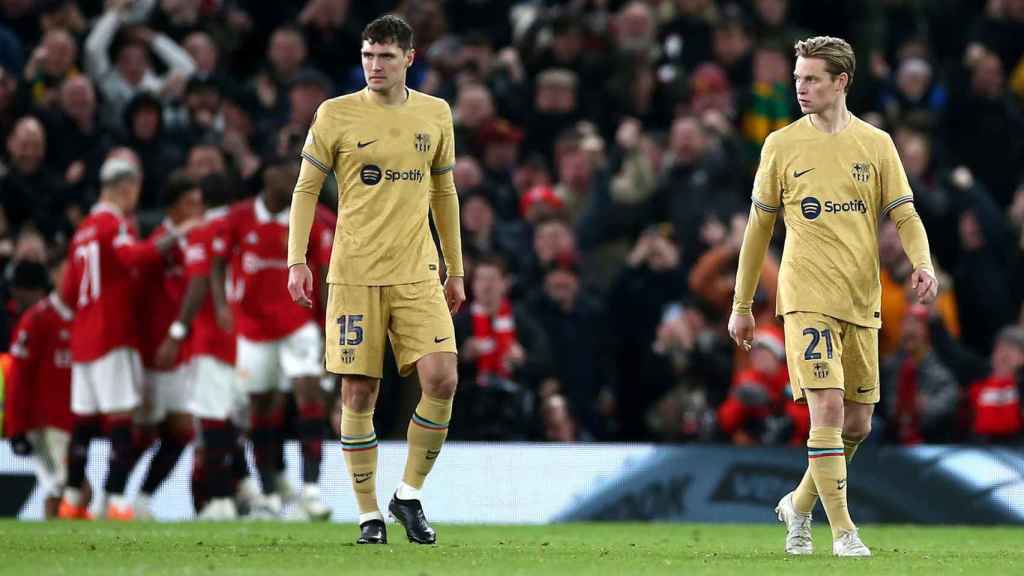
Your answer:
<point x="832" y="120"/>
<point x="394" y="96"/>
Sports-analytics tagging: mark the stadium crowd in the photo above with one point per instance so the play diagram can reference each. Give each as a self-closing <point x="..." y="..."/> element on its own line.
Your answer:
<point x="605" y="154"/>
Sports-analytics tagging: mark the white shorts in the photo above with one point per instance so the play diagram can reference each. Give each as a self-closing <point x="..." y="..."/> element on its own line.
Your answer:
<point x="50" y="458"/>
<point x="269" y="366"/>
<point x="111" y="383"/>
<point x="216" y="391"/>
<point x="165" y="392"/>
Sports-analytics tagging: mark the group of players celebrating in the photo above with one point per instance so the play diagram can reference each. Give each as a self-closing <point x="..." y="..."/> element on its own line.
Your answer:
<point x="238" y="286"/>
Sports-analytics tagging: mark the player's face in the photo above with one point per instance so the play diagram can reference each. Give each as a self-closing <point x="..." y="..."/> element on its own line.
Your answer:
<point x="816" y="89"/>
<point x="384" y="65"/>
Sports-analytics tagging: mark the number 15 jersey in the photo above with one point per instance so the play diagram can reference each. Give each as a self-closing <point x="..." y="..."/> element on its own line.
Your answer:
<point x="388" y="160"/>
<point x="832" y="190"/>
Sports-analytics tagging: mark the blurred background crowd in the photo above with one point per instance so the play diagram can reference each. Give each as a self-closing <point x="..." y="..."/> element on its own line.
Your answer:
<point x="605" y="153"/>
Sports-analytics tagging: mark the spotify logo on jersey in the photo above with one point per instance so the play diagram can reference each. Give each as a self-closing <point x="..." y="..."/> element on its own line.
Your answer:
<point x="370" y="174"/>
<point x="810" y="207"/>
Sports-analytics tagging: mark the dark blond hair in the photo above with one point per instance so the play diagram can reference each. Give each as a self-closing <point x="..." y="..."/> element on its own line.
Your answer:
<point x="836" y="52"/>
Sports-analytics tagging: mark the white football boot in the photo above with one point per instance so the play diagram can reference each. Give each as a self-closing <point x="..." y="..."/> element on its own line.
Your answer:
<point x="848" y="544"/>
<point x="798" y="527"/>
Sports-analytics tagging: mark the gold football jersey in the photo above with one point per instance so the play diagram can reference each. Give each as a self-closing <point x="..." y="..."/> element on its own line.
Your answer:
<point x="832" y="189"/>
<point x="387" y="160"/>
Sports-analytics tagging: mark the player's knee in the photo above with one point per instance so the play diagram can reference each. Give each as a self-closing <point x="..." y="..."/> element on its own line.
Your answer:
<point x="856" y="430"/>
<point x="359" y="394"/>
<point x="441" y="384"/>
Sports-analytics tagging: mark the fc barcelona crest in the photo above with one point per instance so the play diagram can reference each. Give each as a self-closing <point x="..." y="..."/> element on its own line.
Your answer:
<point x="861" y="171"/>
<point x="348" y="355"/>
<point x="422" y="142"/>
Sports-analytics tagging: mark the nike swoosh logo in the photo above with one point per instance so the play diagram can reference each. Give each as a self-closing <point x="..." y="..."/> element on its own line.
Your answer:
<point x="433" y="454"/>
<point x="863" y="390"/>
<point x="439" y="340"/>
<point x="360" y="478"/>
<point x="799" y="174"/>
<point x="365" y="144"/>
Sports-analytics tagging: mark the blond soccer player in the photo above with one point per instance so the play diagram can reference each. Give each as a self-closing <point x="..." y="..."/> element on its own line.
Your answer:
<point x="392" y="152"/>
<point x="833" y="176"/>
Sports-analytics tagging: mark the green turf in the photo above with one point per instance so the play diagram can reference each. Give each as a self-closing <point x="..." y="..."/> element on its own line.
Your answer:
<point x="37" y="549"/>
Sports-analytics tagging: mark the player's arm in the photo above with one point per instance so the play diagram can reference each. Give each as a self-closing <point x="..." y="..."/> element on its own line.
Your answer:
<point x="444" y="208"/>
<point x="765" y="203"/>
<point x="133" y="253"/>
<point x="19" y="388"/>
<point x="317" y="163"/>
<point x="898" y="204"/>
<point x="198" y="287"/>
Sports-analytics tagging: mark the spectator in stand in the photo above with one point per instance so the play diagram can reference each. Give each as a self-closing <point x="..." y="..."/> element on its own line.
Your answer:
<point x="30" y="192"/>
<point x="83" y="144"/>
<point x="921" y="394"/>
<point x="996" y="410"/>
<point x="503" y="351"/>
<point x="131" y="72"/>
<point x="159" y="153"/>
<point x="759" y="408"/>
<point x="51" y="64"/>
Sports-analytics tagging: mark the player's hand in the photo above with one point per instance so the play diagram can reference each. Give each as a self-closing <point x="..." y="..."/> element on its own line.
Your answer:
<point x="741" y="330"/>
<point x="454" y="293"/>
<point x="20" y="445"/>
<point x="300" y="285"/>
<point x="167" y="353"/>
<point x="924" y="285"/>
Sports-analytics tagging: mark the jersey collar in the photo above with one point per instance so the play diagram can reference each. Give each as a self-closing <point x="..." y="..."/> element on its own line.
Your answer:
<point x="65" y="313"/>
<point x="102" y="206"/>
<point x="263" y="215"/>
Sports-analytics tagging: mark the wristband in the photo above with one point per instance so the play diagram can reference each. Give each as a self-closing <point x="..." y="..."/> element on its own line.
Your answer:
<point x="178" y="331"/>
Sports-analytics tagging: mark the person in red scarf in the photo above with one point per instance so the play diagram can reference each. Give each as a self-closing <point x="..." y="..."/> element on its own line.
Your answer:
<point x="499" y="343"/>
<point x="995" y="401"/>
<point x="921" y="392"/>
<point x="759" y="398"/>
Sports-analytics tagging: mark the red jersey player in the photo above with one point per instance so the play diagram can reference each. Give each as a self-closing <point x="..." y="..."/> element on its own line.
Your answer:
<point x="101" y="284"/>
<point x="280" y="344"/>
<point x="38" y="403"/>
<point x="167" y="383"/>
<point x="217" y="398"/>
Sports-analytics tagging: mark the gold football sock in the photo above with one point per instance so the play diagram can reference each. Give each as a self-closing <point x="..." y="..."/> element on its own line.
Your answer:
<point x="359" y="445"/>
<point x="427" y="431"/>
<point x="806" y="495"/>
<point x="827" y="463"/>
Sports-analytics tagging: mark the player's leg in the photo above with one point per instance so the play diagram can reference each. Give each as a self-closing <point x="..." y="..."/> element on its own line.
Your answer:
<point x="173" y="395"/>
<point x="49" y="450"/>
<point x="86" y="426"/>
<point x="302" y="363"/>
<point x="260" y="375"/>
<point x="120" y="375"/>
<point x="423" y="336"/>
<point x="813" y="354"/>
<point x="357" y="323"/>
<point x="212" y="398"/>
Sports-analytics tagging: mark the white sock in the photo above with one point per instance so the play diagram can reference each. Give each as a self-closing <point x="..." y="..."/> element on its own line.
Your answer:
<point x="367" y="516"/>
<point x="118" y="500"/>
<point x="73" y="496"/>
<point x="310" y="490"/>
<point x="143" y="500"/>
<point x="406" y="492"/>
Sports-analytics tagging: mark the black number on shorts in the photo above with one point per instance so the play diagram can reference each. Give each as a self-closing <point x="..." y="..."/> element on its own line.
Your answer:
<point x="816" y="336"/>
<point x="351" y="331"/>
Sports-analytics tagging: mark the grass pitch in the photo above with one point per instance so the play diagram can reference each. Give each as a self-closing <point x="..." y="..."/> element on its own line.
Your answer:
<point x="277" y="549"/>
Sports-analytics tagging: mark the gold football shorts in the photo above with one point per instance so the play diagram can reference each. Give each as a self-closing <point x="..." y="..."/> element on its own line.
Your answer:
<point x="414" y="316"/>
<point x="825" y="352"/>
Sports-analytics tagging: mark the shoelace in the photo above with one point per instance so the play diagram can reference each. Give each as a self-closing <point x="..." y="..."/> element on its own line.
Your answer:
<point x="801" y="530"/>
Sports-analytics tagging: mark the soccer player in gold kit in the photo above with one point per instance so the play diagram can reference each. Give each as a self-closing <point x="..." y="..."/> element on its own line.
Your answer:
<point x="833" y="176"/>
<point x="392" y="152"/>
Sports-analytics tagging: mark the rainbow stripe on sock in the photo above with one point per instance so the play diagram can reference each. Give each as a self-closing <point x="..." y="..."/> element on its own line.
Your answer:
<point x="428" y="424"/>
<point x="813" y="453"/>
<point x="358" y="443"/>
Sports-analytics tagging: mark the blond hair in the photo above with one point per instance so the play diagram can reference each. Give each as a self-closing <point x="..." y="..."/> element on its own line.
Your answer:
<point x="836" y="52"/>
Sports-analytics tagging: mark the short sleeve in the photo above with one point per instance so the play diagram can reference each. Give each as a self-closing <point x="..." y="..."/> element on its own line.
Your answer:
<point x="444" y="155"/>
<point x="767" y="193"/>
<point x="895" y="188"/>
<point x="318" y="147"/>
